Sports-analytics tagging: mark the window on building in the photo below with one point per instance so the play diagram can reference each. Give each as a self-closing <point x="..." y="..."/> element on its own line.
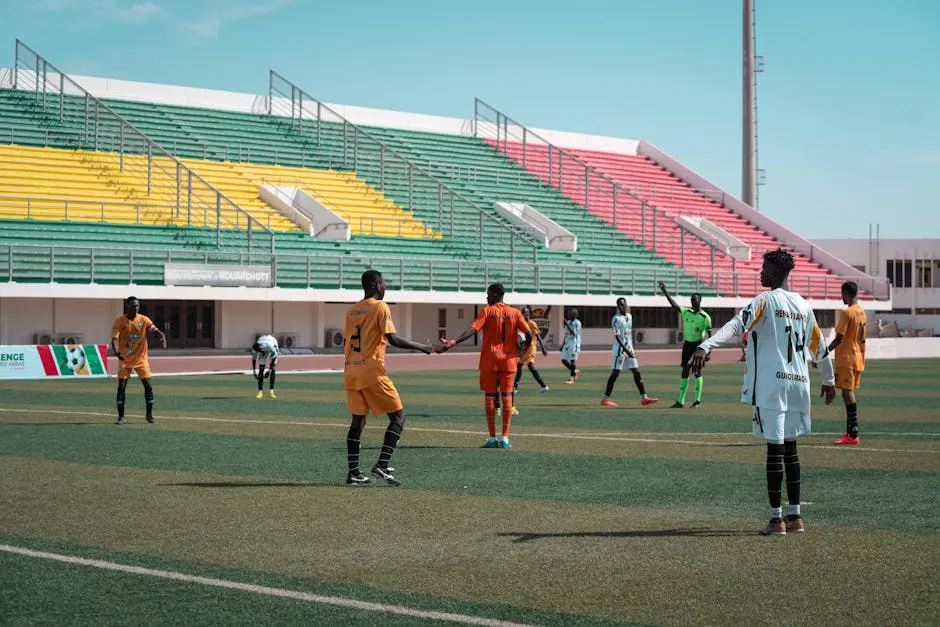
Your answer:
<point x="924" y="273"/>
<point x="899" y="272"/>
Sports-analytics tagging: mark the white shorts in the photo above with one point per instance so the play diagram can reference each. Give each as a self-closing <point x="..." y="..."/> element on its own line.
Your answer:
<point x="569" y="353"/>
<point x="775" y="425"/>
<point x="621" y="361"/>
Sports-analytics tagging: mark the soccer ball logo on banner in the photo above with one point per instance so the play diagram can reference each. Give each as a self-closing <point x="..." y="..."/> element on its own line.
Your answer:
<point x="75" y="357"/>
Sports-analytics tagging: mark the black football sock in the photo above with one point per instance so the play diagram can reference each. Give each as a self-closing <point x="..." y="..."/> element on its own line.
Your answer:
<point x="851" y="419"/>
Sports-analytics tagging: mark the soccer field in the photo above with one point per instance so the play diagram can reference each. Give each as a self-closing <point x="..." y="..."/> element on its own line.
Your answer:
<point x="232" y="510"/>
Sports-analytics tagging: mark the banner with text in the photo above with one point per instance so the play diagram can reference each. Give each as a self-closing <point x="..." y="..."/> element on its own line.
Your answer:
<point x="53" y="360"/>
<point x="217" y="275"/>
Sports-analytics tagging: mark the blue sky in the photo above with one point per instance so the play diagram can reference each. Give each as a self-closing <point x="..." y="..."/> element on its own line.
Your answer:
<point x="849" y="104"/>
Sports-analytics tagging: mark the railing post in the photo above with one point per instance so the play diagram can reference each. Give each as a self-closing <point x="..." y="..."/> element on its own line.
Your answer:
<point x="356" y="149"/>
<point x="451" y="213"/>
<point x="345" y="133"/>
<point x="654" y="230"/>
<point x="682" y="248"/>
<point x="218" y="220"/>
<point x="270" y="91"/>
<point x="524" y="130"/>
<point x="121" y="152"/>
<point x="614" y="187"/>
<point x="178" y="181"/>
<point x="61" y="96"/>
<point x="319" y="122"/>
<point x="440" y="207"/>
<point x="149" y="167"/>
<point x="381" y="165"/>
<point x="587" y="185"/>
<point x="550" y="164"/>
<point x="410" y="189"/>
<point x="643" y="222"/>
<point x="189" y="198"/>
<point x="564" y="272"/>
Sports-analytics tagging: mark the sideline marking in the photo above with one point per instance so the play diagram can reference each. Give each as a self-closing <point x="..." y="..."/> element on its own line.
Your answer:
<point x="275" y="592"/>
<point x="558" y="436"/>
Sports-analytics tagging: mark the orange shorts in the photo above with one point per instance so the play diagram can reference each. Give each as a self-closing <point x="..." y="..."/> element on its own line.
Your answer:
<point x="493" y="381"/>
<point x="848" y="378"/>
<point x="380" y="398"/>
<point x="142" y="370"/>
<point x="527" y="358"/>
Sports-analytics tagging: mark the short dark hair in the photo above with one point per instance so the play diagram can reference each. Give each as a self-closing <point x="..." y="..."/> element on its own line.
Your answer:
<point x="694" y="294"/>
<point x="850" y="288"/>
<point x="779" y="258"/>
<point x="130" y="298"/>
<point x="622" y="299"/>
<point x="370" y="277"/>
<point x="256" y="347"/>
<point x="497" y="290"/>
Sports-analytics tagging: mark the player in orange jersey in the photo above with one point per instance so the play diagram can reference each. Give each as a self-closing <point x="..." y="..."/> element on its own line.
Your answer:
<point x="849" y="347"/>
<point x="367" y="331"/>
<point x="499" y="324"/>
<point x="130" y="333"/>
<point x="527" y="358"/>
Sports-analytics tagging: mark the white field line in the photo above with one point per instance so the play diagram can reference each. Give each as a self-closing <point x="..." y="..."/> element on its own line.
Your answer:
<point x="476" y="434"/>
<point x="274" y="592"/>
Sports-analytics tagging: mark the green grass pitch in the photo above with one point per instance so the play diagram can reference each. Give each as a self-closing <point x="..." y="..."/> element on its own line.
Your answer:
<point x="596" y="516"/>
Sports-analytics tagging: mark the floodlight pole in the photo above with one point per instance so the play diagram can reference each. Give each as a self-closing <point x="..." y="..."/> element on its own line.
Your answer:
<point x="749" y="135"/>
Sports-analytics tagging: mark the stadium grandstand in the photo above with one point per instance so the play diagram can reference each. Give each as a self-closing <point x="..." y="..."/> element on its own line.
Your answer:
<point x="229" y="214"/>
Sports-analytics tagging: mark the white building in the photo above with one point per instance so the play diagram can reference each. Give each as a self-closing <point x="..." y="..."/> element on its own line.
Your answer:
<point x="912" y="266"/>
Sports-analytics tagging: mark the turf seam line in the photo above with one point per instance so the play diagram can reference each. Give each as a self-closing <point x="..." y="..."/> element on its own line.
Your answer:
<point x="266" y="590"/>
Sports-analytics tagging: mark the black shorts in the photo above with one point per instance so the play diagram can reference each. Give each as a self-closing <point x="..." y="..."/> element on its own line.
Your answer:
<point x="687" y="349"/>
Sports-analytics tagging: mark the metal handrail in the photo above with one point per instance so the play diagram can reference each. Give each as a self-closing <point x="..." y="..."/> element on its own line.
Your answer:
<point x="151" y="144"/>
<point x="524" y="235"/>
<point x="587" y="168"/>
<point x="412" y="273"/>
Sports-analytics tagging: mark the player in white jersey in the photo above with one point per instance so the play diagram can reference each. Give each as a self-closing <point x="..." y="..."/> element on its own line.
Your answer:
<point x="624" y="355"/>
<point x="571" y="347"/>
<point x="782" y="332"/>
<point x="265" y="348"/>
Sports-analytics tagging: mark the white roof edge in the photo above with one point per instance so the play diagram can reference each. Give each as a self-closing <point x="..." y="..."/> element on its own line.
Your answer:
<point x="160" y="93"/>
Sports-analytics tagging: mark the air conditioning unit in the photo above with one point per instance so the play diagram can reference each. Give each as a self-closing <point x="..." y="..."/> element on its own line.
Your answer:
<point x="287" y="340"/>
<point x="71" y="338"/>
<point x="333" y="339"/>
<point x="639" y="336"/>
<point x="43" y="337"/>
<point x="676" y="336"/>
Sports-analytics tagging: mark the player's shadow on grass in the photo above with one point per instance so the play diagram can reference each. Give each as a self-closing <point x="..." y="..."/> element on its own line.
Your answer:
<point x="250" y="484"/>
<point x="233" y="397"/>
<point x="687" y="532"/>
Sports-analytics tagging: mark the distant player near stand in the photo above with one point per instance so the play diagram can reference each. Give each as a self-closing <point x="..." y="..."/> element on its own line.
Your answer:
<point x="264" y="348"/>
<point x="695" y="324"/>
<point x="527" y="358"/>
<point x="571" y="346"/>
<point x="782" y="333"/>
<point x="130" y="333"/>
<point x="849" y="347"/>
<point x="367" y="330"/>
<point x="499" y="323"/>
<point x="624" y="355"/>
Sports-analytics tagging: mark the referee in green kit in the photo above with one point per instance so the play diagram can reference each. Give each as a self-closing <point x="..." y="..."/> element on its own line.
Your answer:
<point x="695" y="323"/>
